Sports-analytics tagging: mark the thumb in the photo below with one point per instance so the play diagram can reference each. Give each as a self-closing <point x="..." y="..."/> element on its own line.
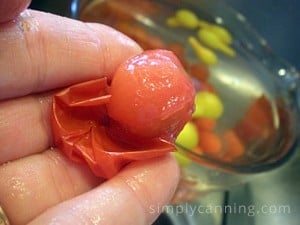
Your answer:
<point x="10" y="9"/>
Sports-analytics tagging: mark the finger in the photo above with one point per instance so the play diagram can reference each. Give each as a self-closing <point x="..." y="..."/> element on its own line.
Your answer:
<point x="41" y="51"/>
<point x="135" y="196"/>
<point x="30" y="185"/>
<point x="26" y="120"/>
<point x="33" y="184"/>
<point x="10" y="9"/>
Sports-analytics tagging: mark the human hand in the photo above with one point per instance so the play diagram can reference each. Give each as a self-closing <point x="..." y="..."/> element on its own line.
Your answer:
<point x="39" y="53"/>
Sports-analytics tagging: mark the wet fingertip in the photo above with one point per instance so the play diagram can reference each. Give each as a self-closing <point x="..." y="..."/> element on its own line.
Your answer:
<point x="119" y="36"/>
<point x="127" y="46"/>
<point x="159" y="176"/>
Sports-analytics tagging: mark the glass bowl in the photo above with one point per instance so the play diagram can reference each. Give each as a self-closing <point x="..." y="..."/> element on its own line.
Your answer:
<point x="258" y="90"/>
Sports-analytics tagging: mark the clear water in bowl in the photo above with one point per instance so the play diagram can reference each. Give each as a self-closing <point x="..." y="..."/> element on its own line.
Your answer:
<point x="240" y="83"/>
<point x="255" y="77"/>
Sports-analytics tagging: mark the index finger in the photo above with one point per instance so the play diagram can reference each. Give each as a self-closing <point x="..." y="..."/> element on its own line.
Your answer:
<point x="41" y="51"/>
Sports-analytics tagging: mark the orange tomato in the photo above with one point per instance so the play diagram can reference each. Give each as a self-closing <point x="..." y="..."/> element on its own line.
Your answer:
<point x="205" y="124"/>
<point x="233" y="145"/>
<point x="199" y="71"/>
<point x="210" y="143"/>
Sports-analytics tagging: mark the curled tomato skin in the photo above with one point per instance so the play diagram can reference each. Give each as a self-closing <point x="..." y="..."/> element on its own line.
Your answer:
<point x="85" y="129"/>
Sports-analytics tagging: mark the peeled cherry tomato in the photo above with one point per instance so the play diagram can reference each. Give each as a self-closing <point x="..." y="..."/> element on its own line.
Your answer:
<point x="181" y="158"/>
<point x="204" y="54"/>
<point x="188" y="137"/>
<point x="205" y="124"/>
<point x="212" y="40"/>
<point x="186" y="18"/>
<point x="210" y="143"/>
<point x="151" y="95"/>
<point x="208" y="105"/>
<point x="136" y="118"/>
<point x="199" y="71"/>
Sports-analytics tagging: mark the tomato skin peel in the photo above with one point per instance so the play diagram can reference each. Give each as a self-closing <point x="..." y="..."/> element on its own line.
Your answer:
<point x="84" y="130"/>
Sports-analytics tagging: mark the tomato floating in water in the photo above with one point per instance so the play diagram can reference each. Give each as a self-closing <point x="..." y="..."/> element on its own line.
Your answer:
<point x="137" y="117"/>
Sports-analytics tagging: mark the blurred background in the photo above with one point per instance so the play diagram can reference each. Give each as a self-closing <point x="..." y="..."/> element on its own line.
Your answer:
<point x="278" y="22"/>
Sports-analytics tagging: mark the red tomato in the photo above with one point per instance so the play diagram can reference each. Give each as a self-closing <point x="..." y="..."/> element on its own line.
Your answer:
<point x="149" y="101"/>
<point x="199" y="71"/>
<point x="152" y="95"/>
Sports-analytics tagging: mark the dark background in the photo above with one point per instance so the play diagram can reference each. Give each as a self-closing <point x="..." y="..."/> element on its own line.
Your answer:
<point x="278" y="21"/>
